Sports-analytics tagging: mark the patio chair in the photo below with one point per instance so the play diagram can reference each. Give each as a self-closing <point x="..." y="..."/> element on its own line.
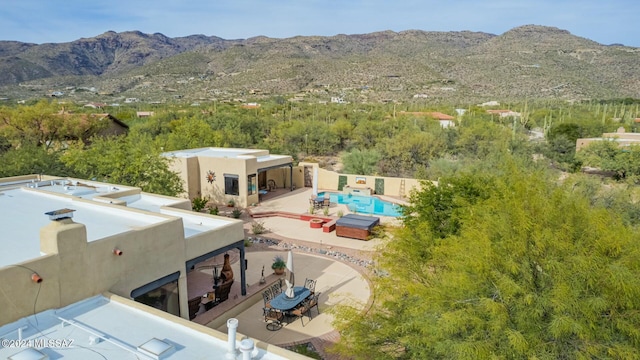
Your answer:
<point x="299" y="311"/>
<point x="313" y="303"/>
<point x="276" y="288"/>
<point x="194" y="306"/>
<point x="273" y="318"/>
<point x="311" y="285"/>
<point x="267" y="295"/>
<point x="222" y="291"/>
<point x="326" y="202"/>
<point x="271" y="184"/>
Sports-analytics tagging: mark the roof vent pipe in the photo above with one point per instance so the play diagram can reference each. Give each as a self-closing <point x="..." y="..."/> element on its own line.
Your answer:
<point x="232" y="325"/>
<point x="246" y="347"/>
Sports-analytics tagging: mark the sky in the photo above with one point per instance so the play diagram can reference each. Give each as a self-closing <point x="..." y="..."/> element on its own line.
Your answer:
<point x="44" y="21"/>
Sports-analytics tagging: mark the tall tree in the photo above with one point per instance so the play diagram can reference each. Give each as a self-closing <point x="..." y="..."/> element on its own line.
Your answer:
<point x="44" y="124"/>
<point x="534" y="272"/>
<point x="360" y="162"/>
<point x="132" y="160"/>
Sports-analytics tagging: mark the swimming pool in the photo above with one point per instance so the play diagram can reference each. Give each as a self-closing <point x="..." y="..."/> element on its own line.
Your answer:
<point x="365" y="204"/>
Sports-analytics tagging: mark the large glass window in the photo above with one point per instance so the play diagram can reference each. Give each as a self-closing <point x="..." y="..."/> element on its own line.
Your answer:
<point x="163" y="297"/>
<point x="252" y="180"/>
<point x="231" y="185"/>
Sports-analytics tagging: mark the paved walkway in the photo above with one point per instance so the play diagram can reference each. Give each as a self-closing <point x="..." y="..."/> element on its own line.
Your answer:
<point x="338" y="264"/>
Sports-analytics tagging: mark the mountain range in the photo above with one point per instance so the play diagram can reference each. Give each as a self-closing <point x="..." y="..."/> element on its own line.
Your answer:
<point x="527" y="62"/>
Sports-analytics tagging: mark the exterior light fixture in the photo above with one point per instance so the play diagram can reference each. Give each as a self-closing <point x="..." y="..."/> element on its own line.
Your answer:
<point x="117" y="252"/>
<point x="36" y="278"/>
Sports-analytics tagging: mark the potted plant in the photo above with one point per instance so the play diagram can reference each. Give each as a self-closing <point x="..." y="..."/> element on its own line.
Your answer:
<point x="278" y="265"/>
<point x="231" y="203"/>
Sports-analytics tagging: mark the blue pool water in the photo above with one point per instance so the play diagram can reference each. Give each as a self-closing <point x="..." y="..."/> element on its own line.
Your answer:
<point x="365" y="204"/>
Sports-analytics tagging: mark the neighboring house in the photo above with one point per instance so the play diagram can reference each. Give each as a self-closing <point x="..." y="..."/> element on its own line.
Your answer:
<point x="490" y="103"/>
<point x="143" y="114"/>
<point x="444" y="119"/>
<point x="114" y="126"/>
<point x="620" y="136"/>
<point x="131" y="100"/>
<point x="94" y="105"/>
<point x="224" y="174"/>
<point x="504" y="113"/>
<point x="251" y="105"/>
<point x="337" y="100"/>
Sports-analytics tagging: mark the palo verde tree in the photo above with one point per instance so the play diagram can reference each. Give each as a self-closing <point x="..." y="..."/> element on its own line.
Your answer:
<point x="132" y="160"/>
<point x="45" y="124"/>
<point x="534" y="271"/>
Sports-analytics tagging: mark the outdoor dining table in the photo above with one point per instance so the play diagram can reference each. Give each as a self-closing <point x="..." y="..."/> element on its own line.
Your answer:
<point x="283" y="303"/>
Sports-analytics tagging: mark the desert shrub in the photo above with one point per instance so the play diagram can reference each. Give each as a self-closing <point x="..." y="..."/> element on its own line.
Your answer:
<point x="257" y="228"/>
<point x="199" y="203"/>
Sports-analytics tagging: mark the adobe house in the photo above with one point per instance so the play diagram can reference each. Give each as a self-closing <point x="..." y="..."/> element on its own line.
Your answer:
<point x="225" y="174"/>
<point x="80" y="238"/>
<point x="621" y="137"/>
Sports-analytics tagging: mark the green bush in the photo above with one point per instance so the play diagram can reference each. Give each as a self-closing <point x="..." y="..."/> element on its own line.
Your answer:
<point x="257" y="227"/>
<point x="236" y="213"/>
<point x="214" y="210"/>
<point x="199" y="203"/>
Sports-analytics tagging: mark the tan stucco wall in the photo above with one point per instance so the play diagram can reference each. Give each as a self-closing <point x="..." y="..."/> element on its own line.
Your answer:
<point x="222" y="166"/>
<point x="193" y="171"/>
<point x="188" y="170"/>
<point x="74" y="269"/>
<point x="328" y="180"/>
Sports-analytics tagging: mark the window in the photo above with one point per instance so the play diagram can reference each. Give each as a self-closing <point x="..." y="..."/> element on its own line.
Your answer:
<point x="161" y="294"/>
<point x="253" y="184"/>
<point x="231" y="185"/>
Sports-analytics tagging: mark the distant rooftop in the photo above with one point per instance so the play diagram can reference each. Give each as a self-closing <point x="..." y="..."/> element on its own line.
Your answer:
<point x="101" y="328"/>
<point x="262" y="155"/>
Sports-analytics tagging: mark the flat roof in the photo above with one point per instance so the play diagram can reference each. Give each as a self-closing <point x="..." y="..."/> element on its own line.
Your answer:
<point x="147" y="202"/>
<point x="194" y="224"/>
<point x="215" y="152"/>
<point x="100" y="328"/>
<point x="273" y="157"/>
<point x="22" y="215"/>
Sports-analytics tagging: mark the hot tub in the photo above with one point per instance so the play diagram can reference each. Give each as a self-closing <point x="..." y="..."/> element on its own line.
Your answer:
<point x="356" y="226"/>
